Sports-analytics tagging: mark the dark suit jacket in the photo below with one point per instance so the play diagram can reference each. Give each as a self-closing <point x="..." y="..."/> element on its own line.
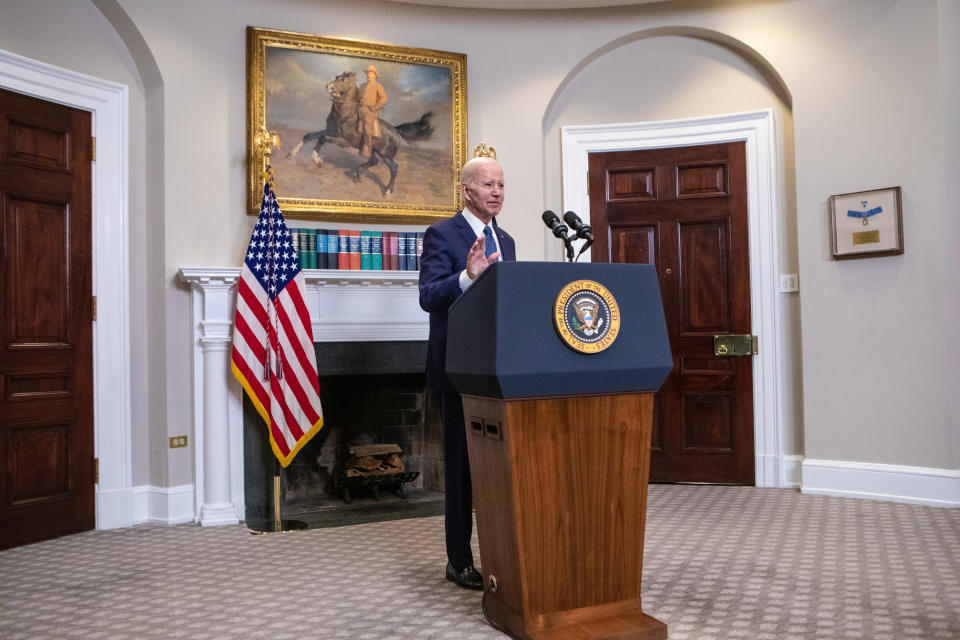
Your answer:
<point x="445" y="248"/>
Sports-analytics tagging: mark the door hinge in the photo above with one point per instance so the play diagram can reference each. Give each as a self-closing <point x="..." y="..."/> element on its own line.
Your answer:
<point x="93" y="149"/>
<point x="588" y="183"/>
<point x="93" y="307"/>
<point x="96" y="471"/>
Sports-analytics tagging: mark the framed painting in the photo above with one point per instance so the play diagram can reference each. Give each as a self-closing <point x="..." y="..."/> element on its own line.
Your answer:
<point x="354" y="131"/>
<point x="866" y="224"/>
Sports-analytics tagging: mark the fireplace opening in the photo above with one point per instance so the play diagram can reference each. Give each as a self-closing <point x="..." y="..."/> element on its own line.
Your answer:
<point x="375" y="404"/>
<point x="371" y="466"/>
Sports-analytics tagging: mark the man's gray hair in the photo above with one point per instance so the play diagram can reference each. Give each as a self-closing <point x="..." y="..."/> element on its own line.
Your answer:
<point x="469" y="170"/>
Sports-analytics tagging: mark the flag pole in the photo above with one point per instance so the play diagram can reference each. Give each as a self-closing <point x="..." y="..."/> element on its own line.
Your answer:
<point x="277" y="524"/>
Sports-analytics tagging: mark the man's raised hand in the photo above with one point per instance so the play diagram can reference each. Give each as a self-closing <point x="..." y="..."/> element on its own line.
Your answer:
<point x="477" y="261"/>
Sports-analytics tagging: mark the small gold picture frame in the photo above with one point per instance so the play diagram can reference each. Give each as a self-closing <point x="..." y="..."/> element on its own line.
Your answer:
<point x="866" y="224"/>
<point x="305" y="118"/>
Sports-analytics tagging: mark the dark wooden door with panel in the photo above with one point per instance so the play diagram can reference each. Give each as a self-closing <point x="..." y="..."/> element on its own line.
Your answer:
<point x="46" y="341"/>
<point x="684" y="210"/>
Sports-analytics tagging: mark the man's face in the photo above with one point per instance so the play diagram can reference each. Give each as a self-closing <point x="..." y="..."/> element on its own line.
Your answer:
<point x="483" y="195"/>
<point x="371" y="76"/>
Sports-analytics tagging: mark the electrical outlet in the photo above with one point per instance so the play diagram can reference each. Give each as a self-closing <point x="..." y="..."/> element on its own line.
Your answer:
<point x="178" y="441"/>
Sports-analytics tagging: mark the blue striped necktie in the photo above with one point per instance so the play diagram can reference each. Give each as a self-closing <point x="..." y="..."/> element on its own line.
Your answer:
<point x="491" y="244"/>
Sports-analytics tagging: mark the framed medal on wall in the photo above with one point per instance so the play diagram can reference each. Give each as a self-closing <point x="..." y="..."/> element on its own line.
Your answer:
<point x="866" y="224"/>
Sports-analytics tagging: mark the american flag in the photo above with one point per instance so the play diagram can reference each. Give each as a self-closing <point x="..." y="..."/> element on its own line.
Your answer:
<point x="273" y="356"/>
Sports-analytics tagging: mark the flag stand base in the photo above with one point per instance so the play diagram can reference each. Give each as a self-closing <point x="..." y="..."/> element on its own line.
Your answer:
<point x="270" y="526"/>
<point x="278" y="524"/>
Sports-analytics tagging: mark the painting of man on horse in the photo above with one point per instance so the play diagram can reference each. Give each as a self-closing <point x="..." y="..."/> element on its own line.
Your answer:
<point x="367" y="131"/>
<point x="354" y="123"/>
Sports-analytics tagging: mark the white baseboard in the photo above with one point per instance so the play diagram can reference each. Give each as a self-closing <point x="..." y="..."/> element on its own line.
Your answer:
<point x="776" y="471"/>
<point x="792" y="472"/>
<point x="114" y="508"/>
<point x="166" y="505"/>
<point x="917" y="485"/>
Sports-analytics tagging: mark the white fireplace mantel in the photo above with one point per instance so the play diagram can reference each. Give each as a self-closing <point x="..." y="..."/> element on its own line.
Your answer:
<point x="345" y="306"/>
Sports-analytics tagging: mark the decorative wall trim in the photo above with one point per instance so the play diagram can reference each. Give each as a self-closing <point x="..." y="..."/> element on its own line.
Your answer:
<point x="344" y="307"/>
<point x="792" y="472"/>
<point x="757" y="130"/>
<point x="164" y="505"/>
<point x="108" y="104"/>
<point x="896" y="483"/>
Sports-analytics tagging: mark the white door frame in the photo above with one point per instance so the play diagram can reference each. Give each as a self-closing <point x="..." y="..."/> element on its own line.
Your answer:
<point x="108" y="104"/>
<point x="757" y="130"/>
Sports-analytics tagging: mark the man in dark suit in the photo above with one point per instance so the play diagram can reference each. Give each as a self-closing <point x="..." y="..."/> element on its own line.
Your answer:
<point x="455" y="252"/>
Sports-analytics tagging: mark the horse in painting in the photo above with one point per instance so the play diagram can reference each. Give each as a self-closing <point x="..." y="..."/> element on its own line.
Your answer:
<point x="343" y="129"/>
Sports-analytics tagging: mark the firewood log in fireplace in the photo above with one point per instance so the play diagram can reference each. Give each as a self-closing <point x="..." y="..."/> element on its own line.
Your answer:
<point x="373" y="465"/>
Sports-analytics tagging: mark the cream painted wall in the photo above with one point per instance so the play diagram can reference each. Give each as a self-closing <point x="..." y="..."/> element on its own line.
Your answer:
<point x="876" y="376"/>
<point x="949" y="38"/>
<point x="870" y="81"/>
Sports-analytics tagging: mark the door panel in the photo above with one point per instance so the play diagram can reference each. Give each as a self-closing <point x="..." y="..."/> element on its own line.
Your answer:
<point x="46" y="343"/>
<point x="703" y="272"/>
<point x="701" y="180"/>
<point x="636" y="242"/>
<point x="38" y="463"/>
<point x="634" y="184"/>
<point x="684" y="211"/>
<point x="38" y="275"/>
<point x="707" y="422"/>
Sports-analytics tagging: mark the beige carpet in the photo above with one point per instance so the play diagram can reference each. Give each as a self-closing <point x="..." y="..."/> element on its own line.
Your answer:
<point x="720" y="562"/>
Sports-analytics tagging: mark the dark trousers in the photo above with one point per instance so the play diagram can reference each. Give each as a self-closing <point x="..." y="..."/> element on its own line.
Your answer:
<point x="458" y="519"/>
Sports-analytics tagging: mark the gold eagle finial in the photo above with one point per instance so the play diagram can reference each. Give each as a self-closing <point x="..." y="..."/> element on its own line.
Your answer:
<point x="264" y="140"/>
<point x="483" y="151"/>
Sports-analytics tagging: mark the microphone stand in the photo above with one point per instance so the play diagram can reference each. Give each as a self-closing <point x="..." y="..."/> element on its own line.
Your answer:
<point x="586" y="245"/>
<point x="568" y="243"/>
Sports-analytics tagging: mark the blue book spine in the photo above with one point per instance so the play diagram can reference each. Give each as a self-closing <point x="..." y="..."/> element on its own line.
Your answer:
<point x="321" y="249"/>
<point x="332" y="246"/>
<point x="402" y="250"/>
<point x="376" y="251"/>
<point x="419" y="249"/>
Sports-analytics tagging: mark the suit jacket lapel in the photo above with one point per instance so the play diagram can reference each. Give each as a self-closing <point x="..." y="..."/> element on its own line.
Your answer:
<point x="466" y="232"/>
<point x="501" y="234"/>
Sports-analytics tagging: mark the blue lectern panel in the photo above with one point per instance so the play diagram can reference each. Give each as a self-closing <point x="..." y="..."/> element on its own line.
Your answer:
<point x="502" y="342"/>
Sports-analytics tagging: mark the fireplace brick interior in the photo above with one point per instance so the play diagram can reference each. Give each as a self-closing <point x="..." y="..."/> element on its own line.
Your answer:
<point x="372" y="393"/>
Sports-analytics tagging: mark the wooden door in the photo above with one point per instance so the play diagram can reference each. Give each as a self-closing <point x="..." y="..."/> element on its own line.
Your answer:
<point x="684" y="210"/>
<point x="46" y="343"/>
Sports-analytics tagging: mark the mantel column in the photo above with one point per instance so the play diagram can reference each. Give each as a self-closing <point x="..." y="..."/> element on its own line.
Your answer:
<point x="218" y="454"/>
<point x="217" y="506"/>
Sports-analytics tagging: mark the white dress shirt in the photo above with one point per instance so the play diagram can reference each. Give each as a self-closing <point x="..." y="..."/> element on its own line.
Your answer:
<point x="477" y="225"/>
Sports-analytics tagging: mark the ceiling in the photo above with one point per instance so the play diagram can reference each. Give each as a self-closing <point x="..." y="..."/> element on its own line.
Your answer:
<point x="527" y="4"/>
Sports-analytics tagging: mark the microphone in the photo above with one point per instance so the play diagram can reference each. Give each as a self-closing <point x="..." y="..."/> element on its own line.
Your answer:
<point x="553" y="223"/>
<point x="582" y="230"/>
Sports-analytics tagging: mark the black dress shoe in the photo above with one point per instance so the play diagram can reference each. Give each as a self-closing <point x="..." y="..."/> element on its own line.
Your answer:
<point x="468" y="577"/>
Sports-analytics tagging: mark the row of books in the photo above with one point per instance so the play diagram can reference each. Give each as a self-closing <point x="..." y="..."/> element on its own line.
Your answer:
<point x="355" y="249"/>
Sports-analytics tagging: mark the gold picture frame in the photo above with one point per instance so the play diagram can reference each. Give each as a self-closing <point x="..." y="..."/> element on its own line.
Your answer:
<point x="301" y="120"/>
<point x="866" y="224"/>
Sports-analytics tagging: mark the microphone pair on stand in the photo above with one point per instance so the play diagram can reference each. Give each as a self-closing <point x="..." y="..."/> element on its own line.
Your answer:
<point x="560" y="230"/>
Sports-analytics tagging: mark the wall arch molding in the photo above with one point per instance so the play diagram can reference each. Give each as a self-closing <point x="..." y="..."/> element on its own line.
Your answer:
<point x="753" y="57"/>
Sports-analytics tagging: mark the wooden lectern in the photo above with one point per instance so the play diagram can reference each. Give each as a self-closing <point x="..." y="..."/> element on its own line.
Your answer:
<point x="559" y="441"/>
